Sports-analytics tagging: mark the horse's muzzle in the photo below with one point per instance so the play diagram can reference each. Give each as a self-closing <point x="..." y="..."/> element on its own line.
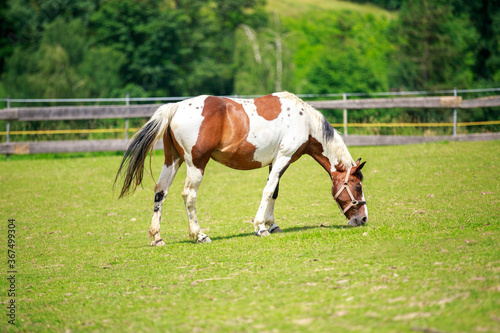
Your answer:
<point x="358" y="221"/>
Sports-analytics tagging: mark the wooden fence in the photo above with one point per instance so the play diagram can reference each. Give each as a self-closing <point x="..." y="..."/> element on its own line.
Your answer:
<point x="146" y="110"/>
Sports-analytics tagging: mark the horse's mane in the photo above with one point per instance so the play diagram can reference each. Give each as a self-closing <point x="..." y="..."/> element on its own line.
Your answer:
<point x="322" y="130"/>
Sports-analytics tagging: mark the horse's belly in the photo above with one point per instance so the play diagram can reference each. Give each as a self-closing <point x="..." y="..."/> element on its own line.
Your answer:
<point x="236" y="160"/>
<point x="255" y="151"/>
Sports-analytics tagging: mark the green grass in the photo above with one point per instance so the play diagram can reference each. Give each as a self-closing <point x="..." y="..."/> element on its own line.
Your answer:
<point x="297" y="8"/>
<point x="427" y="261"/>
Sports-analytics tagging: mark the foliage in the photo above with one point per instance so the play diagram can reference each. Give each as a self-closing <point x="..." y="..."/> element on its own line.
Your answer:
<point x="263" y="59"/>
<point x="190" y="47"/>
<point x="436" y="46"/>
<point x="426" y="261"/>
<point x="106" y="48"/>
<point x="349" y="53"/>
<point x="157" y="47"/>
<point x="388" y="4"/>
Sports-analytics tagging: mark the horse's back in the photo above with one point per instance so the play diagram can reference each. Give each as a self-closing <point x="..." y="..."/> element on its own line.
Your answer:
<point x="239" y="133"/>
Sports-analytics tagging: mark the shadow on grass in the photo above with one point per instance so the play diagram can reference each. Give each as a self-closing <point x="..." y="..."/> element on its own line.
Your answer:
<point x="251" y="234"/>
<point x="285" y="230"/>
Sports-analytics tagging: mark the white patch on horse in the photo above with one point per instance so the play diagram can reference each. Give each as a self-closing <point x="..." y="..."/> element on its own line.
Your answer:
<point x="284" y="134"/>
<point x="334" y="149"/>
<point x="265" y="135"/>
<point x="167" y="175"/>
<point x="365" y="206"/>
<point x="187" y="122"/>
<point x="295" y="125"/>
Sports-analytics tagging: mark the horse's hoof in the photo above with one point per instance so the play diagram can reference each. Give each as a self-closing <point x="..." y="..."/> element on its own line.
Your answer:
<point x="275" y="230"/>
<point x="158" y="243"/>
<point x="203" y="240"/>
<point x="262" y="233"/>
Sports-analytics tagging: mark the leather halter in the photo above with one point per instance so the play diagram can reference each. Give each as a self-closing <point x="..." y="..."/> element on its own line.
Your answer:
<point x="353" y="202"/>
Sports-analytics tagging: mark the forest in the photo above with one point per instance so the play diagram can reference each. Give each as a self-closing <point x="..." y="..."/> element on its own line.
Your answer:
<point x="108" y="48"/>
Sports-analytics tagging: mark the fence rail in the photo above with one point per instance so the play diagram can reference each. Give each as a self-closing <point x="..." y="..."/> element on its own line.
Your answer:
<point x="409" y="102"/>
<point x="56" y="113"/>
<point x="67" y="146"/>
<point x="147" y="110"/>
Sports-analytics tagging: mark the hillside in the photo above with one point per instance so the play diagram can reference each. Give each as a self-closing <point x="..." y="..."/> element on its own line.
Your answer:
<point x="323" y="46"/>
<point x="300" y="8"/>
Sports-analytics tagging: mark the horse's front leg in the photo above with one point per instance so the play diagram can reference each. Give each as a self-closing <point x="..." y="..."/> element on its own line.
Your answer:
<point x="265" y="214"/>
<point x="272" y="227"/>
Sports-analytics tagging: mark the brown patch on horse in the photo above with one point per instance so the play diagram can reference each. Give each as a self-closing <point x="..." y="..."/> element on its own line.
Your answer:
<point x="315" y="150"/>
<point x="210" y="132"/>
<point x="234" y="150"/>
<point x="223" y="135"/>
<point x="268" y="107"/>
<point x="171" y="150"/>
<point x="176" y="144"/>
<point x="299" y="152"/>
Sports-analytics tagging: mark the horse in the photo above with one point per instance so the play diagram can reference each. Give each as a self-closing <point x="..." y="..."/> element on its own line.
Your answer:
<point x="244" y="134"/>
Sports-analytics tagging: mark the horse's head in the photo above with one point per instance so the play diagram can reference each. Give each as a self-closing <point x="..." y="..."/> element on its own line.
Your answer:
<point x="348" y="192"/>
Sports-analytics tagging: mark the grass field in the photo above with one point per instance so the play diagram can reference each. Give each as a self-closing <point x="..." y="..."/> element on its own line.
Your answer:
<point x="428" y="260"/>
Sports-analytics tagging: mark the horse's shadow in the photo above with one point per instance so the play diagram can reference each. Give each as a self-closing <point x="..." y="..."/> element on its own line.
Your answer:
<point x="285" y="230"/>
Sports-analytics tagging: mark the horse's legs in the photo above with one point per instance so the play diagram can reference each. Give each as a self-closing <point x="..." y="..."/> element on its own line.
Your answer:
<point x="266" y="208"/>
<point x="161" y="189"/>
<point x="272" y="227"/>
<point x="193" y="182"/>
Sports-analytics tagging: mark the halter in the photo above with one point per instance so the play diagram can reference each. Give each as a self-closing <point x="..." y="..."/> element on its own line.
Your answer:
<point x="353" y="202"/>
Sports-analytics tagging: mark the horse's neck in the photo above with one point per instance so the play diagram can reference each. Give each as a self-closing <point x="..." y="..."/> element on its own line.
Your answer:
<point x="330" y="150"/>
<point x="337" y="151"/>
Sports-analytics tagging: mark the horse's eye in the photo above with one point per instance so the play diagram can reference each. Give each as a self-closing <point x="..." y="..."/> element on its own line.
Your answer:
<point x="359" y="188"/>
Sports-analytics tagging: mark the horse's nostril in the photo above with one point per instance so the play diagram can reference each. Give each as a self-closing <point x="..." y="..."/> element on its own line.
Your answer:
<point x="364" y="219"/>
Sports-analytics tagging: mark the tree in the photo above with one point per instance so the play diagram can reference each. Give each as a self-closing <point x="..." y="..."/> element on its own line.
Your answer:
<point x="344" y="70"/>
<point x="435" y="46"/>
<point x="485" y="17"/>
<point x="183" y="48"/>
<point x="263" y="59"/>
<point x="340" y="52"/>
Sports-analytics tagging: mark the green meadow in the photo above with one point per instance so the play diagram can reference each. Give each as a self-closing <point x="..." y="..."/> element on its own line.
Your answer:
<point x="427" y="261"/>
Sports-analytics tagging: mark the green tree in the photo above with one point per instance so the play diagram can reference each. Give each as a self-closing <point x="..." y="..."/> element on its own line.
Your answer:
<point x="485" y="17"/>
<point x="436" y="47"/>
<point x="264" y="59"/>
<point x="345" y="70"/>
<point x="6" y="48"/>
<point x="49" y="70"/>
<point x="100" y="74"/>
<point x="340" y="52"/>
<point x="55" y="77"/>
<point x="387" y="4"/>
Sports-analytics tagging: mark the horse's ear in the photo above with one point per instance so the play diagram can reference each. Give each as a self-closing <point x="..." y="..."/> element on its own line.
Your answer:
<point x="358" y="166"/>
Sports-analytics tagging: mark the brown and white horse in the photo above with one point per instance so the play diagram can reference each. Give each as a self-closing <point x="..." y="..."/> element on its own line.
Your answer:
<point x="244" y="134"/>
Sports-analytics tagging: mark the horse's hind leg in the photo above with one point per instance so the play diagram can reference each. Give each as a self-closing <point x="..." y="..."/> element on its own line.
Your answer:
<point x="161" y="189"/>
<point x="193" y="182"/>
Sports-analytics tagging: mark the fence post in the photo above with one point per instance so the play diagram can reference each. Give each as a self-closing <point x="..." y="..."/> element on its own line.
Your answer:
<point x="127" y="103"/>
<point x="455" y="115"/>
<point x="7" y="138"/>
<point x="344" y="96"/>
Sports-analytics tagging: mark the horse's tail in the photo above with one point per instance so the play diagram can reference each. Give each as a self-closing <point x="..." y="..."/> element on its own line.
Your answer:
<point x="141" y="144"/>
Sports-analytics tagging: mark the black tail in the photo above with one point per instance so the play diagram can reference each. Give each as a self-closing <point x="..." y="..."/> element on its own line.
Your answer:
<point x="141" y="144"/>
